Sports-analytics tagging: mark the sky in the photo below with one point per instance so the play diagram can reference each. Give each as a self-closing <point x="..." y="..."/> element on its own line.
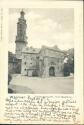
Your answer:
<point x="45" y="26"/>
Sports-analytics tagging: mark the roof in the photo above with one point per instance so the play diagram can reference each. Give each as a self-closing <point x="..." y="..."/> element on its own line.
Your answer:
<point x="30" y="50"/>
<point x="54" y="48"/>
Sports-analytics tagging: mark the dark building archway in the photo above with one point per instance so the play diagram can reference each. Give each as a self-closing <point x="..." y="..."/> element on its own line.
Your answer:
<point x="35" y="73"/>
<point x="52" y="71"/>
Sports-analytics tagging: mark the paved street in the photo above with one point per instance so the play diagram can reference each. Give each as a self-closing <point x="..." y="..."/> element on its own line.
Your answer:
<point x="34" y="85"/>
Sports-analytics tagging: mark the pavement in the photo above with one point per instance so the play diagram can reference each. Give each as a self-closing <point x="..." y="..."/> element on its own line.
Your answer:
<point x="35" y="85"/>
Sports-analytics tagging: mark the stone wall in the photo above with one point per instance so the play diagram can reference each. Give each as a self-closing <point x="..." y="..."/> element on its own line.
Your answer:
<point x="52" y="59"/>
<point x="29" y="62"/>
<point x="42" y="62"/>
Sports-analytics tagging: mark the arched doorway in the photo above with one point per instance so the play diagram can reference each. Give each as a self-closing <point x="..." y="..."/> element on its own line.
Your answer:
<point x="34" y="73"/>
<point x="51" y="71"/>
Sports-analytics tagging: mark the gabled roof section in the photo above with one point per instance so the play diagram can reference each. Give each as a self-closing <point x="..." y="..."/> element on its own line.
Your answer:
<point x="30" y="50"/>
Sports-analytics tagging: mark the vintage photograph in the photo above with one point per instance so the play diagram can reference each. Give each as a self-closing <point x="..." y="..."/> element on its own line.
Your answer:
<point x="41" y="51"/>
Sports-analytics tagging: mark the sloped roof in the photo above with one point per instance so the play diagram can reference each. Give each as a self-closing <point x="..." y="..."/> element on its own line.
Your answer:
<point x="54" y="48"/>
<point x="30" y="50"/>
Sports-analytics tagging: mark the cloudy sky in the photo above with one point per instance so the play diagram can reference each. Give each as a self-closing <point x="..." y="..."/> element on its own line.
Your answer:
<point x="54" y="26"/>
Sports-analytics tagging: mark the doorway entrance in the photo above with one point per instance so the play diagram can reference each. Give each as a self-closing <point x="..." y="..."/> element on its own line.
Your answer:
<point x="51" y="71"/>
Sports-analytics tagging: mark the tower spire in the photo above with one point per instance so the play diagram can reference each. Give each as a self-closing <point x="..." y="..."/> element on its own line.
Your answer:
<point x="22" y="13"/>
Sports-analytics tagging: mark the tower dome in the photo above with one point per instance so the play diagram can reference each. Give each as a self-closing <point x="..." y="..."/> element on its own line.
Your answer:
<point x="22" y="13"/>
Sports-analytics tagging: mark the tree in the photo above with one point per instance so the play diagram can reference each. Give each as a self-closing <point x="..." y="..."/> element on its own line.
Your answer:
<point x="68" y="65"/>
<point x="66" y="69"/>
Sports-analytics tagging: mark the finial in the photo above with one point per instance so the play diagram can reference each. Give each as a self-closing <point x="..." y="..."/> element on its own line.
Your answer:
<point x="22" y="13"/>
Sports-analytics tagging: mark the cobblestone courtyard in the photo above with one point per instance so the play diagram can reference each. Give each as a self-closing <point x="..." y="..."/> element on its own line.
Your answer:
<point x="34" y="85"/>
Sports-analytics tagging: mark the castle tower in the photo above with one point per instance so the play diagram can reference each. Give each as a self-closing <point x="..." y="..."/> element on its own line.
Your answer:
<point x="21" y="38"/>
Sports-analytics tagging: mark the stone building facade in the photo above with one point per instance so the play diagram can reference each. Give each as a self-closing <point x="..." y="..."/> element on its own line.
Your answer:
<point x="44" y="62"/>
<point x="14" y="64"/>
